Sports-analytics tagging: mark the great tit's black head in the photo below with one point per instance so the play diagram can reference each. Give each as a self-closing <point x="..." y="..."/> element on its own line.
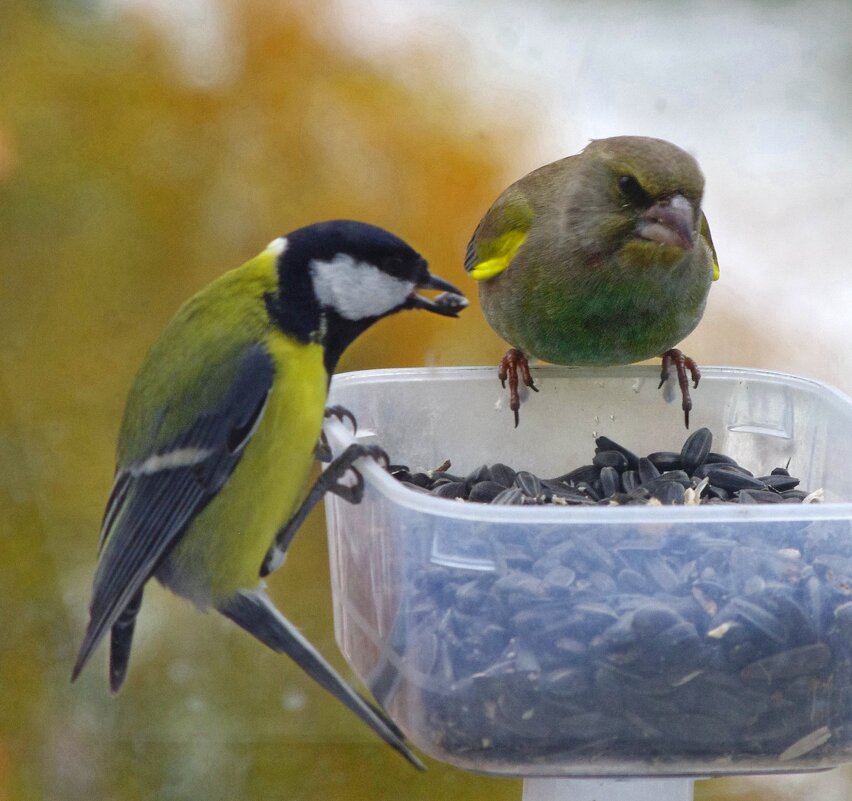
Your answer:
<point x="337" y="278"/>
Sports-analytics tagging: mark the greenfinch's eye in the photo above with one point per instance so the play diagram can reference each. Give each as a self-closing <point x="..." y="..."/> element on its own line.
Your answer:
<point x="632" y="190"/>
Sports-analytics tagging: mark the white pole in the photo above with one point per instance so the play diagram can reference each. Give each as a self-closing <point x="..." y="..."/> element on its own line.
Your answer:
<point x="608" y="789"/>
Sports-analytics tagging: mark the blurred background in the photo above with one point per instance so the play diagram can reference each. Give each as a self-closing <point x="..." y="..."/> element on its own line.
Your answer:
<point x="148" y="145"/>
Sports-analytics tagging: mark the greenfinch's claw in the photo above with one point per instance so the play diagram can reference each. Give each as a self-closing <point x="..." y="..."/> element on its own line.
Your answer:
<point x="681" y="363"/>
<point x="510" y="365"/>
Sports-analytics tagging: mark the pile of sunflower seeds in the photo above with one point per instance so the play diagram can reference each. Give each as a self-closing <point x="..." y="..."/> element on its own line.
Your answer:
<point x="617" y="476"/>
<point x="693" y="646"/>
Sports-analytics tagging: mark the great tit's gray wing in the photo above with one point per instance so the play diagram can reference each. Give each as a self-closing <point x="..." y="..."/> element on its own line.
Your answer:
<point x="154" y="499"/>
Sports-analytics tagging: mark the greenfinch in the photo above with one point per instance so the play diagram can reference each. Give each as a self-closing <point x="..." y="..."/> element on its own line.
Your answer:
<point x="601" y="258"/>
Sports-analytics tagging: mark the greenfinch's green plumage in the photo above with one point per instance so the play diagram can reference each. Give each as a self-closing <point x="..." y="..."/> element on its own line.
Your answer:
<point x="602" y="258"/>
<point x="220" y="428"/>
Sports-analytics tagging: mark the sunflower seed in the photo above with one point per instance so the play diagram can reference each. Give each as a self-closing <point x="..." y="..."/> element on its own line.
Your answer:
<point x="695" y="449"/>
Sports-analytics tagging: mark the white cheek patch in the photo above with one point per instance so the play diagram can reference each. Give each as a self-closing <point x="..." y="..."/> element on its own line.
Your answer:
<point x="357" y="289"/>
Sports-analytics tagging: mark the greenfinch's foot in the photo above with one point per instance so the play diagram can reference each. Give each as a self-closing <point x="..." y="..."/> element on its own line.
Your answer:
<point x="513" y="362"/>
<point x="681" y="363"/>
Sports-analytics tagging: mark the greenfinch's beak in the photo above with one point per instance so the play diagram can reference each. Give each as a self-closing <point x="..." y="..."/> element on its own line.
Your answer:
<point x="449" y="303"/>
<point x="670" y="221"/>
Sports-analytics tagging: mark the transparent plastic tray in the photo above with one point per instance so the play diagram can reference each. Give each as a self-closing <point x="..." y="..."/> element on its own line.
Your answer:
<point x="671" y="640"/>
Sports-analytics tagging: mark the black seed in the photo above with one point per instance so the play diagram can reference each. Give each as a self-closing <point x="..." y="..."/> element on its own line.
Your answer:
<point x="703" y="470"/>
<point x="485" y="491"/>
<point x="665" y="460"/>
<point x="558" y="490"/>
<point x="677" y="475"/>
<point x="602" y="582"/>
<point x="528" y="483"/>
<point x="667" y="492"/>
<point x="658" y="570"/>
<point x="481" y="473"/>
<point x="760" y="618"/>
<point x="843" y="620"/>
<point x="629" y="480"/>
<point x="695" y="449"/>
<point x="588" y="491"/>
<point x="614" y="459"/>
<point x="647" y="471"/>
<point x="780" y="471"/>
<point x="610" y="480"/>
<point x="780" y="482"/>
<point x="732" y="481"/>
<point x="720" y="458"/>
<point x="717" y="493"/>
<point x="518" y="582"/>
<point x="651" y="618"/>
<point x="503" y="474"/>
<point x="758" y="496"/>
<point x="606" y="444"/>
<point x="586" y="473"/>
<point x="452" y="489"/>
<point x="471" y="596"/>
<point x="511" y="496"/>
<point x="559" y="579"/>
<point x="420" y="479"/>
<point x="802" y="661"/>
<point x="566" y="682"/>
<point x="632" y="581"/>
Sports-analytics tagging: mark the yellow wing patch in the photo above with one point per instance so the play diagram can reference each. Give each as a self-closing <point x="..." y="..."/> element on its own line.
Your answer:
<point x="501" y="250"/>
<point x="499" y="236"/>
<point x="704" y="230"/>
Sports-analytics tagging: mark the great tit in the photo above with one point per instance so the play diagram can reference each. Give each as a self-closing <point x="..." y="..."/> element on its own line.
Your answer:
<point x="219" y="433"/>
<point x="602" y="258"/>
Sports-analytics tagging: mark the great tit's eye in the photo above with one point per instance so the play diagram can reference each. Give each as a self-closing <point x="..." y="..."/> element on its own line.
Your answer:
<point x="632" y="189"/>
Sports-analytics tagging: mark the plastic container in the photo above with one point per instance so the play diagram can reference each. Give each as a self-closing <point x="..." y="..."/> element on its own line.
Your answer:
<point x="670" y="641"/>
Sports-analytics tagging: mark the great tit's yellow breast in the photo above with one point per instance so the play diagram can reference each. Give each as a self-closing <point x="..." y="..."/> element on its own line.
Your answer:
<point x="224" y="548"/>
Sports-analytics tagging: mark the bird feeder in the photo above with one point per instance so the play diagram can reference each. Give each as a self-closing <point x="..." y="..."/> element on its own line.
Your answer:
<point x="600" y="649"/>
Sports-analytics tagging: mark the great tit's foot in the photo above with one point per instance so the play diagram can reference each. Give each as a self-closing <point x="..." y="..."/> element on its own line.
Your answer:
<point x="331" y="480"/>
<point x="323" y="450"/>
<point x="511" y="364"/>
<point x="342" y="414"/>
<point x="343" y="464"/>
<point x="681" y="363"/>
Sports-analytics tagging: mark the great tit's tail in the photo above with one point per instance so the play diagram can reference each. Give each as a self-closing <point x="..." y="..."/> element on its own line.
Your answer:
<point x="121" y="638"/>
<point x="254" y="612"/>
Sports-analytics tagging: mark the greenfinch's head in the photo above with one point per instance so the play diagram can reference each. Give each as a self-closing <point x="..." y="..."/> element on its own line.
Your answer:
<point x="647" y="193"/>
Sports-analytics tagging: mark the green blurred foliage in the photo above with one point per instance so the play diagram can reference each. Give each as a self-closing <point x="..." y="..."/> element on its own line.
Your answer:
<point x="127" y="182"/>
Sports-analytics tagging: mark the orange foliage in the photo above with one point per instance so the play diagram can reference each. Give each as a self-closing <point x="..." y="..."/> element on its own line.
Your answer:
<point x="130" y="176"/>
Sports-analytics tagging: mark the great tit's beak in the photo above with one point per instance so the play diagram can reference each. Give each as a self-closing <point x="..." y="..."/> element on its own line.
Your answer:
<point x="449" y="303"/>
<point x="670" y="221"/>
